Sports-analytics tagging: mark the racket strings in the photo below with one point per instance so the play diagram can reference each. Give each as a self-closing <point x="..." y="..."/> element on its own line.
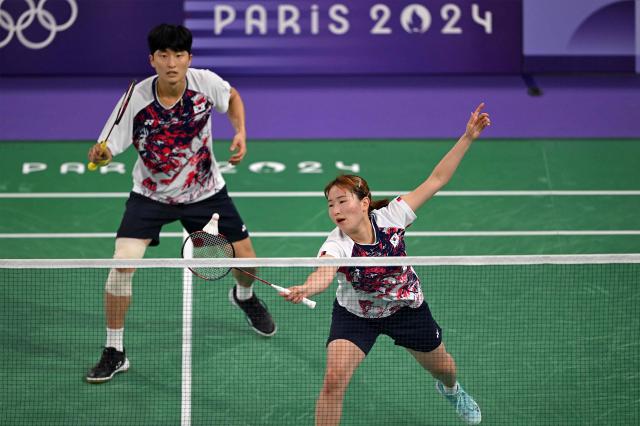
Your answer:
<point x="209" y="246"/>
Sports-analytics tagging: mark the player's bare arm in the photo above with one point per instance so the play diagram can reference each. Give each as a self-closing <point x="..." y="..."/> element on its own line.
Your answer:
<point x="236" y="117"/>
<point x="317" y="282"/>
<point x="442" y="173"/>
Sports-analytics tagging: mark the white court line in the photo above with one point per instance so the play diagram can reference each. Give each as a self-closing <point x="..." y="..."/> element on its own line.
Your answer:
<point x="326" y="233"/>
<point x="308" y="194"/>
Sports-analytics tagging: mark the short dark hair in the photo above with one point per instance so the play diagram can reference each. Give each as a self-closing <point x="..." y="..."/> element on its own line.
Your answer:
<point x="167" y="36"/>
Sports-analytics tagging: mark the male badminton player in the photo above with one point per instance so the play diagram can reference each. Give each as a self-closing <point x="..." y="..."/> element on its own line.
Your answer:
<point x="371" y="300"/>
<point x="176" y="177"/>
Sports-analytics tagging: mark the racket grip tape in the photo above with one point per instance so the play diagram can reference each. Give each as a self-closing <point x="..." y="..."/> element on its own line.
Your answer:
<point x="309" y="303"/>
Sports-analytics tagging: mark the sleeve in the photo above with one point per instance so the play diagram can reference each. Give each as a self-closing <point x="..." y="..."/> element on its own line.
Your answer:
<point x="398" y="213"/>
<point x="219" y="90"/>
<point x="331" y="247"/>
<point x="122" y="134"/>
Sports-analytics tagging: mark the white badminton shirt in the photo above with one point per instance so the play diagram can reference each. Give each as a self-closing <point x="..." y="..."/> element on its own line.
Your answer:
<point x="174" y="143"/>
<point x="376" y="292"/>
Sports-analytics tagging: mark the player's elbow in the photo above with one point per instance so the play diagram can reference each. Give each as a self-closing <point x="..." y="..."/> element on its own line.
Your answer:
<point x="437" y="181"/>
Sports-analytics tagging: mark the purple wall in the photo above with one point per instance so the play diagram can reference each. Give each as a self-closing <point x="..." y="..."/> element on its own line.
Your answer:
<point x="351" y="107"/>
<point x="558" y="35"/>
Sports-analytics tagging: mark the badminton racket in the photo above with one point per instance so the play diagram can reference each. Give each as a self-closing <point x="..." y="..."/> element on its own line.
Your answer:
<point x="211" y="244"/>
<point x="103" y="144"/>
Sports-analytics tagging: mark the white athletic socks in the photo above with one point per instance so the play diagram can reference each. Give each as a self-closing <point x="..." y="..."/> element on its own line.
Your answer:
<point x="243" y="293"/>
<point x="115" y="338"/>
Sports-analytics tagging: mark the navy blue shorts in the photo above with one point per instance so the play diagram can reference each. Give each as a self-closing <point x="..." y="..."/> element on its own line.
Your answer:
<point x="412" y="328"/>
<point x="144" y="218"/>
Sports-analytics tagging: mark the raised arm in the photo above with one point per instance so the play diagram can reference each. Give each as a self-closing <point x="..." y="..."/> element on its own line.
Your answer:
<point x="445" y="169"/>
<point x="316" y="282"/>
<point x="236" y="117"/>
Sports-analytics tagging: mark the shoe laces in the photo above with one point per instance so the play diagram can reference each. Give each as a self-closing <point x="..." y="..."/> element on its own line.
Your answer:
<point x="465" y="402"/>
<point x="108" y="358"/>
<point x="253" y="305"/>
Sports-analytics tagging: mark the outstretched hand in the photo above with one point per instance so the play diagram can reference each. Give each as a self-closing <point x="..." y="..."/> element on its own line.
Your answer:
<point x="238" y="147"/>
<point x="477" y="123"/>
<point x="296" y="294"/>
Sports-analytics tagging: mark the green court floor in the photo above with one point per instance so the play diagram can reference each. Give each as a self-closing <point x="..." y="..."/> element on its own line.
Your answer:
<point x="586" y="223"/>
<point x="540" y="345"/>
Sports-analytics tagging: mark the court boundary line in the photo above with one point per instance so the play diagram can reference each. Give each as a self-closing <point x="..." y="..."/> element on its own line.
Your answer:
<point x="313" y="194"/>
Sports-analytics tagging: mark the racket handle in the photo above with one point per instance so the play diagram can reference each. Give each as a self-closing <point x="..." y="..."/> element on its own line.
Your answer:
<point x="309" y="303"/>
<point x="94" y="166"/>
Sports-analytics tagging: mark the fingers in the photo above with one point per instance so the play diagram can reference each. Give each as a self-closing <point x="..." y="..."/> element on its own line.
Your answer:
<point x="99" y="152"/>
<point x="236" y="158"/>
<point x="295" y="295"/>
<point x="478" y="116"/>
<point x="240" y="146"/>
<point x="484" y="120"/>
<point x="478" y="121"/>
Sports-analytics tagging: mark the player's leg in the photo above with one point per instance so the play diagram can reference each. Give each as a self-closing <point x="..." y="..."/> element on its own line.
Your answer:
<point x="117" y="298"/>
<point x="119" y="283"/>
<point x="439" y="363"/>
<point x="244" y="249"/>
<point x="242" y="295"/>
<point x="350" y="340"/>
<point x="140" y="227"/>
<point x="343" y="357"/>
<point x="417" y="331"/>
<point x="442" y="366"/>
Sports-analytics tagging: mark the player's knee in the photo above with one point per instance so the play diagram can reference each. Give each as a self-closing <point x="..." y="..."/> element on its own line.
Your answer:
<point x="119" y="280"/>
<point x="130" y="248"/>
<point x="445" y="365"/>
<point x="335" y="382"/>
<point x="119" y="283"/>
<point x="244" y="248"/>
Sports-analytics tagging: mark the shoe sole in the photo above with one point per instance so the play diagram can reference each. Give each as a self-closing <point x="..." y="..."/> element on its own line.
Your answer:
<point x="97" y="381"/>
<point x="233" y="302"/>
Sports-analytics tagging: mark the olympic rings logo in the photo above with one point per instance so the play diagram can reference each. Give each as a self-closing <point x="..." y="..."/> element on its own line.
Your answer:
<point x="45" y="18"/>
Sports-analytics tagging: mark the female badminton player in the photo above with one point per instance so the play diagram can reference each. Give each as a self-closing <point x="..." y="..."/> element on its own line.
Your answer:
<point x="389" y="300"/>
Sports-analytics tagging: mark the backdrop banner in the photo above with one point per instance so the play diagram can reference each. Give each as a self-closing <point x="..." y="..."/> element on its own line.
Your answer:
<point x="282" y="37"/>
<point x="357" y="36"/>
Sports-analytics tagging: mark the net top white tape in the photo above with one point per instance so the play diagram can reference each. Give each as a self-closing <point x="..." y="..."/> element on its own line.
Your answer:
<point x="287" y="262"/>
